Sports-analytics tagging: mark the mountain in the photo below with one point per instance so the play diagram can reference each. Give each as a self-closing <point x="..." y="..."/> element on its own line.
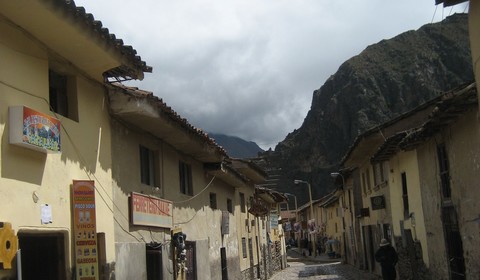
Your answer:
<point x="385" y="80"/>
<point x="236" y="147"/>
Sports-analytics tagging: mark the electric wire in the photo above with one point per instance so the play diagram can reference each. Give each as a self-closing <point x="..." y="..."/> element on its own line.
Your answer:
<point x="193" y="197"/>
<point x="83" y="161"/>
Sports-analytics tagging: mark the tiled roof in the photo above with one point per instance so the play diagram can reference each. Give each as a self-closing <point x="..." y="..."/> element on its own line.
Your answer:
<point x="172" y="115"/>
<point x="87" y="21"/>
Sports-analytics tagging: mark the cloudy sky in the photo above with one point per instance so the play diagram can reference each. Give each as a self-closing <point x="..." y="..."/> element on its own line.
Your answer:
<point x="249" y="68"/>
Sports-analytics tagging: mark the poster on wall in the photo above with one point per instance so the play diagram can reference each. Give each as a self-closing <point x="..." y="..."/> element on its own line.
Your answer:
<point x="34" y="130"/>
<point x="85" y="230"/>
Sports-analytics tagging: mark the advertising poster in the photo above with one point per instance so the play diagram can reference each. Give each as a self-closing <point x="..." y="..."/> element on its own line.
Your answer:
<point x="85" y="230"/>
<point x="35" y="130"/>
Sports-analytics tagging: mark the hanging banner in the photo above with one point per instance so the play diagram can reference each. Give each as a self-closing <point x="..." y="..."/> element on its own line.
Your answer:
<point x="85" y="230"/>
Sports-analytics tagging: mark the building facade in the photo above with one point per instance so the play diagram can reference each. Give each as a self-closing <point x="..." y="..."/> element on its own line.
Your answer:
<point x="56" y="168"/>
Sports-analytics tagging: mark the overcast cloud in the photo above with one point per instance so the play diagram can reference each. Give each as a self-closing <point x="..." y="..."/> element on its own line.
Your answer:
<point x="249" y="68"/>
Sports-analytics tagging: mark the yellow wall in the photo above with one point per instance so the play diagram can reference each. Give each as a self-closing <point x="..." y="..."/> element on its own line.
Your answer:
<point x="85" y="146"/>
<point x="407" y="162"/>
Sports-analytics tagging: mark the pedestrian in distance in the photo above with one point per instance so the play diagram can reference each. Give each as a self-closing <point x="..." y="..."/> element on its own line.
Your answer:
<point x="388" y="258"/>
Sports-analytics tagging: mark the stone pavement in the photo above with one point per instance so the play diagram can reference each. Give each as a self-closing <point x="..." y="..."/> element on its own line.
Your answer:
<point x="320" y="267"/>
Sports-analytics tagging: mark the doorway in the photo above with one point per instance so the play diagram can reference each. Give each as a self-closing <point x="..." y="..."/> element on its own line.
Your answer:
<point x="223" y="257"/>
<point x="190" y="263"/>
<point x="154" y="261"/>
<point x="43" y="255"/>
<point x="454" y="244"/>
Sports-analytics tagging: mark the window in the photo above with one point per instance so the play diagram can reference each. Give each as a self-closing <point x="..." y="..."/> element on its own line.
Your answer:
<point x="213" y="200"/>
<point x="229" y="205"/>
<point x="336" y="228"/>
<point x="148" y="170"/>
<point x="364" y="184"/>
<point x="62" y="94"/>
<point x="380" y="174"/>
<point x="444" y="171"/>
<point x="185" y="171"/>
<point x="244" y="247"/>
<point x="406" y="210"/>
<point x="350" y="200"/>
<point x="242" y="202"/>
<point x="369" y="186"/>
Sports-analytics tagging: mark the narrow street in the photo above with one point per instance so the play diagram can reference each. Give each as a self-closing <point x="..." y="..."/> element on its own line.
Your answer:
<point x="300" y="267"/>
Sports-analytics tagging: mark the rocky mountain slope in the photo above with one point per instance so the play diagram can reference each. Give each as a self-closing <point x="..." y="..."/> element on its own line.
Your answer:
<point x="237" y="147"/>
<point x="385" y="80"/>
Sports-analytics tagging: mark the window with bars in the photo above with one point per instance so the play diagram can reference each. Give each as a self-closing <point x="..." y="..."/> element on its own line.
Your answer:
<point x="244" y="247"/>
<point x="242" y="203"/>
<point x="406" y="209"/>
<point x="444" y="171"/>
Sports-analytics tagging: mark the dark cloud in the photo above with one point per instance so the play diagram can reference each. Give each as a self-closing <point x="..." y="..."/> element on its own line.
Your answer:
<point x="248" y="68"/>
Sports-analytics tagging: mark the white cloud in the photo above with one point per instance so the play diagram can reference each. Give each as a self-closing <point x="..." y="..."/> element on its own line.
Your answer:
<point x="249" y="68"/>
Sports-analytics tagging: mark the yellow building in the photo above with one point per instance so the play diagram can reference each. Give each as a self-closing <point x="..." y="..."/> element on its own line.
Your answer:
<point x="412" y="196"/>
<point x="55" y="131"/>
<point x="206" y="193"/>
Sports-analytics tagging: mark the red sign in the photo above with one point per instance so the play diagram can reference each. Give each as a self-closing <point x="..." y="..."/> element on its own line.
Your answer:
<point x="150" y="211"/>
<point x="85" y="230"/>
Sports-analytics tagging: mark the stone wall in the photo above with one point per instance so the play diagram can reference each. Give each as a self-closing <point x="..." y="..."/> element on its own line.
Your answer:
<point x="410" y="262"/>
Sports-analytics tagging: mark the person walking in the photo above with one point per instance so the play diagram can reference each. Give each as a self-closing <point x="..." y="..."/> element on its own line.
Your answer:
<point x="388" y="258"/>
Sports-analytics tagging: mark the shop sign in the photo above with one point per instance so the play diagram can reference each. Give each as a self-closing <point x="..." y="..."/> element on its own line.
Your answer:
<point x="378" y="202"/>
<point x="85" y="230"/>
<point x="273" y="220"/>
<point x="150" y="211"/>
<point x="34" y="130"/>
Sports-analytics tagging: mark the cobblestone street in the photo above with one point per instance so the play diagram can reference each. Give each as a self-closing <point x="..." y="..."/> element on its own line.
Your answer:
<point x="319" y="268"/>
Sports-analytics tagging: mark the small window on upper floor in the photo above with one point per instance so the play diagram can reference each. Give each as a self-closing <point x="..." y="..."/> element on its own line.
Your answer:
<point x="242" y="203"/>
<point x="229" y="205"/>
<point x="369" y="184"/>
<point x="213" y="200"/>
<point x="364" y="184"/>
<point x="149" y="174"/>
<point x="63" y="94"/>
<point x="185" y="172"/>
<point x="380" y="172"/>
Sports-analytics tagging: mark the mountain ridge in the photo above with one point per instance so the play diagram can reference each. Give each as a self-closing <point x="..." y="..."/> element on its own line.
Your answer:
<point x="383" y="81"/>
<point x="237" y="147"/>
